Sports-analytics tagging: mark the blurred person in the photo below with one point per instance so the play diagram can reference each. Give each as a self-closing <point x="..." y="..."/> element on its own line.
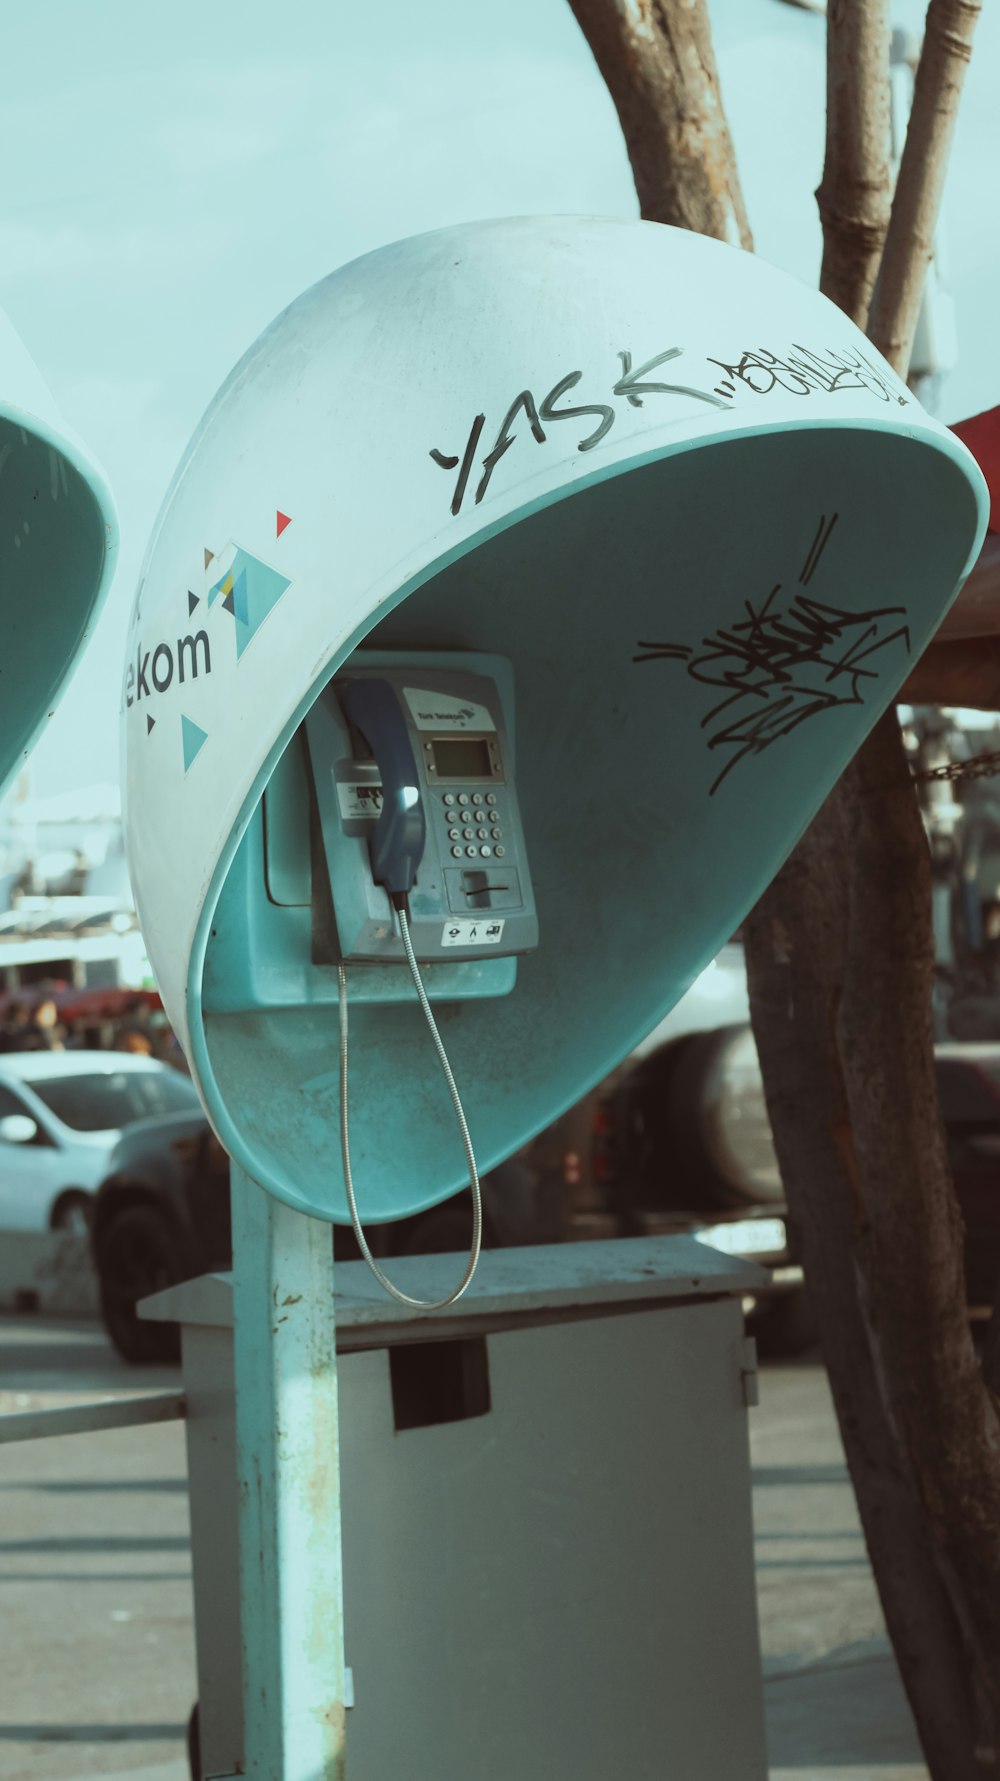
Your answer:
<point x="28" y="883"/>
<point x="15" y="1034"/>
<point x="45" y="1032"/>
<point x="79" y="873"/>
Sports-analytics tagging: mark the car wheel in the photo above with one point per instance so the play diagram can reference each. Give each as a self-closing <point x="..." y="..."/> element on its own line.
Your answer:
<point x="72" y="1213"/>
<point x="722" y="1146"/>
<point x="137" y="1255"/>
<point x="636" y="1138"/>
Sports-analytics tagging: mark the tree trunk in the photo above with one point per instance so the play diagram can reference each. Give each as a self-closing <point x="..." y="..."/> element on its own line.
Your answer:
<point x="910" y="240"/>
<point x="657" y="61"/>
<point x="795" y="992"/>
<point x="840" y="965"/>
<point x="920" y="1428"/>
<point x="854" y="196"/>
<point x="839" y="950"/>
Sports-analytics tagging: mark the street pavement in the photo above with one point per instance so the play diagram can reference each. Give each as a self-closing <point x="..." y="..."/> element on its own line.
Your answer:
<point x="96" y="1638"/>
<point x="835" y="1705"/>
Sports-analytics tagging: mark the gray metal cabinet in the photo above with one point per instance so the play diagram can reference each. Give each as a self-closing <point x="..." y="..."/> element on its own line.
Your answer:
<point x="548" y="1558"/>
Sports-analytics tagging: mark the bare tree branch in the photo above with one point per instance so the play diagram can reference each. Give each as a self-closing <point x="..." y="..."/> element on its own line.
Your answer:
<point x="658" y="63"/>
<point x="910" y="240"/>
<point x="854" y="195"/>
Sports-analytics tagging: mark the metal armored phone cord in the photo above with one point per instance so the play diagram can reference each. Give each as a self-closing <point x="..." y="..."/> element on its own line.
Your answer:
<point x="345" y="1145"/>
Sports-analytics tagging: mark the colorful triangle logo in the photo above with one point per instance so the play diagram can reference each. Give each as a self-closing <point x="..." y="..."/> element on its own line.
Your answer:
<point x="249" y="590"/>
<point x="284" y="519"/>
<point x="223" y="587"/>
<point x="193" y="738"/>
<point x="236" y="599"/>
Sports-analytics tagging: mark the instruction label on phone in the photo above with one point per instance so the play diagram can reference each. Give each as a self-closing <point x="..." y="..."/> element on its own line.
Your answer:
<point x="486" y="932"/>
<point x="359" y="800"/>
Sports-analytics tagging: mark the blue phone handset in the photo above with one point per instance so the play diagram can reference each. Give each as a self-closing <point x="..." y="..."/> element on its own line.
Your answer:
<point x="396" y="848"/>
<point x="397" y="842"/>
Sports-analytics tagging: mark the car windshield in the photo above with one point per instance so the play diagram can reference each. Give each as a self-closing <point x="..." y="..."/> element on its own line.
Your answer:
<point x="110" y="1099"/>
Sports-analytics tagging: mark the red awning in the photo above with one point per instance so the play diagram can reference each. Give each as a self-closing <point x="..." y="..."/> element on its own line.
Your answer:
<point x="976" y="612"/>
<point x="981" y="433"/>
<point x="82" y="1004"/>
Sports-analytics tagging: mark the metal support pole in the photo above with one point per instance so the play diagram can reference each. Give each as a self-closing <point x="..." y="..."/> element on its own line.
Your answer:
<point x="288" y="1467"/>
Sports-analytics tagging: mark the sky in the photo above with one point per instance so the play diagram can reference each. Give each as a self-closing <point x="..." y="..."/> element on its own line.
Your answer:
<point x="176" y="175"/>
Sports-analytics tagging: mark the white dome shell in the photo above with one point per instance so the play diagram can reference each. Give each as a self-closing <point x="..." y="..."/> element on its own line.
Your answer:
<point x="708" y="403"/>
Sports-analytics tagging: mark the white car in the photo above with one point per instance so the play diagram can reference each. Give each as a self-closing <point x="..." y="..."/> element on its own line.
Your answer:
<point x="61" y="1115"/>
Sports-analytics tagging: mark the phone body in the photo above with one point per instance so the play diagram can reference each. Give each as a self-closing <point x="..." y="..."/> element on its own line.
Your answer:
<point x="412" y="769"/>
<point x="301" y="896"/>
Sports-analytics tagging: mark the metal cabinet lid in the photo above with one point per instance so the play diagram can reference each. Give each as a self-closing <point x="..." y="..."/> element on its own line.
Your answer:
<point x="512" y="1287"/>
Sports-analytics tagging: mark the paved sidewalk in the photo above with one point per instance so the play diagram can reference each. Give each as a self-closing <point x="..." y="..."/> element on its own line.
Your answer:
<point x="842" y="1723"/>
<point x="836" y="1710"/>
<point x="169" y="1771"/>
<point x="850" y="1716"/>
<point x="96" y="1638"/>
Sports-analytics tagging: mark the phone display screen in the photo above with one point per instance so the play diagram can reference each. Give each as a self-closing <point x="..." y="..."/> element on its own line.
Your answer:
<point x="462" y="757"/>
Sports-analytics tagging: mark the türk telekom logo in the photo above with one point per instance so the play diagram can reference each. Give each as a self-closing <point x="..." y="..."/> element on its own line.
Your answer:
<point x="462" y="714"/>
<point x="154" y="670"/>
<point x="246" y="590"/>
<point x="177" y="662"/>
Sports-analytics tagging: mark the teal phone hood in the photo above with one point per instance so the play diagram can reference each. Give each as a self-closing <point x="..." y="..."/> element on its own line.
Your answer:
<point x="678" y="492"/>
<point x="58" y="544"/>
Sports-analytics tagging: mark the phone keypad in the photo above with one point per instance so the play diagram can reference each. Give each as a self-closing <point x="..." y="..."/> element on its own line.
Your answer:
<point x="479" y="808"/>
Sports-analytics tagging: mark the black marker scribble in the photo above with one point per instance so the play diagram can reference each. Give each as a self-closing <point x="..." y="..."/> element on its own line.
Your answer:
<point x="788" y="660"/>
<point x="468" y="456"/>
<point x="803" y="372"/>
<point x="817" y="547"/>
<point x="632" y="386"/>
<point x="525" y="416"/>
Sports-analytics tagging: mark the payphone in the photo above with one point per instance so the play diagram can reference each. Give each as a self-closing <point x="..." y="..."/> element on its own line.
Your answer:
<point x="619" y="498"/>
<point x="409" y="851"/>
<point x="561" y="568"/>
<point x="416" y="814"/>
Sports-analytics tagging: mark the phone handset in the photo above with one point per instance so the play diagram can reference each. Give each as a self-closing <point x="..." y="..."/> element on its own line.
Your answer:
<point x="396" y="845"/>
<point x="396" y="848"/>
